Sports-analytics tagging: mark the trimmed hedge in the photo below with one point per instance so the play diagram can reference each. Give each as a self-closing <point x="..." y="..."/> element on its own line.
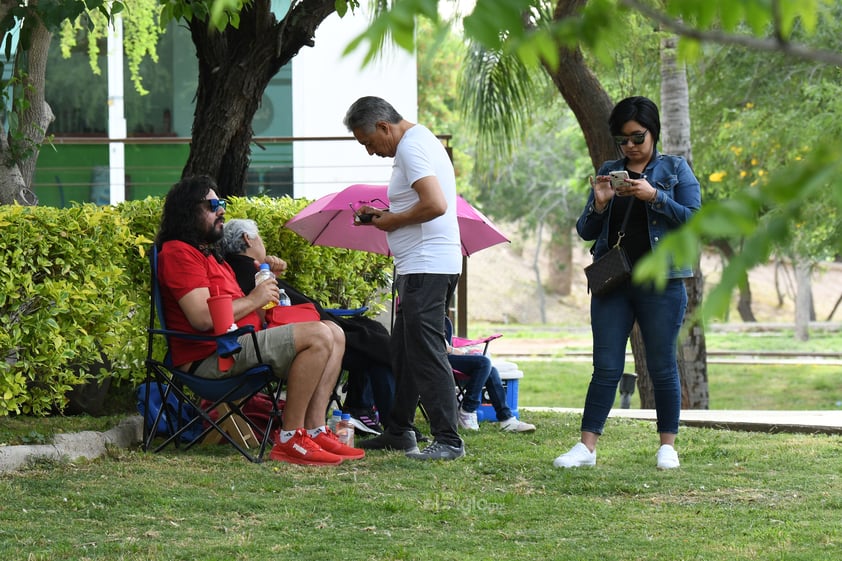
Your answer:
<point x="74" y="302"/>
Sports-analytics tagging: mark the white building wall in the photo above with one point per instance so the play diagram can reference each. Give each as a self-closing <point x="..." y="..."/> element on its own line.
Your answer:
<point x="324" y="84"/>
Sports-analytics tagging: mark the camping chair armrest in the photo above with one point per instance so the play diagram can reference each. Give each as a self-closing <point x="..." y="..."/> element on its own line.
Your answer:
<point x="457" y="342"/>
<point x="202" y="337"/>
<point x="461" y="342"/>
<point x="235" y="334"/>
<point x="341" y="312"/>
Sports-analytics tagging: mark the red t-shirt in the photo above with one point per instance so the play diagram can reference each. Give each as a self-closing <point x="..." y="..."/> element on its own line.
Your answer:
<point x="181" y="269"/>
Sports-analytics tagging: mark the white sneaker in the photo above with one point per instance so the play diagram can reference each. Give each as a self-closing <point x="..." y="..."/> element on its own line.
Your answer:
<point x="513" y="424"/>
<point x="467" y="420"/>
<point x="667" y="457"/>
<point x="578" y="456"/>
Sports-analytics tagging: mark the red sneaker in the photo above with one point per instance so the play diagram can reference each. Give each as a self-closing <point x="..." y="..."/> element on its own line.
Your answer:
<point x="330" y="442"/>
<point x="301" y="449"/>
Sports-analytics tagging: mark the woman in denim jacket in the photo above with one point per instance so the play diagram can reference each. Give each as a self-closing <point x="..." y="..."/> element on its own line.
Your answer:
<point x="664" y="193"/>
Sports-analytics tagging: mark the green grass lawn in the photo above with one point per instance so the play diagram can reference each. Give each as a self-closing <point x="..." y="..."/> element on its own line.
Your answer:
<point x="752" y="387"/>
<point x="560" y="383"/>
<point x="737" y="496"/>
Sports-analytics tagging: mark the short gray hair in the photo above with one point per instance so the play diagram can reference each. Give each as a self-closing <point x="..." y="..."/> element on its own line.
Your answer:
<point x="232" y="235"/>
<point x="367" y="111"/>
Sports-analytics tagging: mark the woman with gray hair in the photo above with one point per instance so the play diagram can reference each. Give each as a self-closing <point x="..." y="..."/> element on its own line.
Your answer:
<point x="241" y="240"/>
<point x="364" y="339"/>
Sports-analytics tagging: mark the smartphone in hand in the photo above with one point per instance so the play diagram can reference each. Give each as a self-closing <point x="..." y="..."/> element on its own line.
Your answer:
<point x="619" y="179"/>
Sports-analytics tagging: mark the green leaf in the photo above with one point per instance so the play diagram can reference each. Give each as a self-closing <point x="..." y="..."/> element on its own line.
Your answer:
<point x="341" y="7"/>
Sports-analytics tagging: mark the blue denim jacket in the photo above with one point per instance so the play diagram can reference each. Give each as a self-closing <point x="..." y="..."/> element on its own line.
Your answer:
<point x="679" y="197"/>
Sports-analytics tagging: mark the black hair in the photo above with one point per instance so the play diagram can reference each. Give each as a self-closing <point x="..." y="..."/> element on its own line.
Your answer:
<point x="180" y="219"/>
<point x="637" y="108"/>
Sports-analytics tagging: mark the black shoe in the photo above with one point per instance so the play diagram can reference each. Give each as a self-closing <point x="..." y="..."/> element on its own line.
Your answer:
<point x="367" y="419"/>
<point x="438" y="451"/>
<point x="404" y="441"/>
<point x="418" y="436"/>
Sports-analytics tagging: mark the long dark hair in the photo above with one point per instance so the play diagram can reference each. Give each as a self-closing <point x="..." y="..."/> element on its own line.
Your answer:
<point x="180" y="219"/>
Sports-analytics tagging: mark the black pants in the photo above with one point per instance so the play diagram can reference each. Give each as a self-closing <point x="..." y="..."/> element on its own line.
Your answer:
<point x="419" y="355"/>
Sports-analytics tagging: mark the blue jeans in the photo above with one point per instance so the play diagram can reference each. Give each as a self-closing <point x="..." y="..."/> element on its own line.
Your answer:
<point x="481" y="374"/>
<point x="659" y="315"/>
<point x="419" y="356"/>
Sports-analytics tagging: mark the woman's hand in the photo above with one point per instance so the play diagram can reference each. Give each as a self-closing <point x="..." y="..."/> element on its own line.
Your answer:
<point x="640" y="189"/>
<point x="602" y="192"/>
<point x="276" y="264"/>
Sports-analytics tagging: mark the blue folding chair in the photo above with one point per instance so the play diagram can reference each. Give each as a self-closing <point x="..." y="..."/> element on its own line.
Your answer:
<point x="203" y="395"/>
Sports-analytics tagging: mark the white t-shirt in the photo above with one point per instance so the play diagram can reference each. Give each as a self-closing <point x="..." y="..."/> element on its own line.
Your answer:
<point x="433" y="246"/>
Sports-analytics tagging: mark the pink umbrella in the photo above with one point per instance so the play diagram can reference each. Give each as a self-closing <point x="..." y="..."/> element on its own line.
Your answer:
<point x="329" y="221"/>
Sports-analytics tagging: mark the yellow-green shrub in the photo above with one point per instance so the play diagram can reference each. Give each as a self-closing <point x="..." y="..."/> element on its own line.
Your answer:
<point x="74" y="290"/>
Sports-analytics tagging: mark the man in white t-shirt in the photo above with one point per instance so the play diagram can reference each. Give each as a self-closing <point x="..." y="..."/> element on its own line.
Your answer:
<point x="423" y="235"/>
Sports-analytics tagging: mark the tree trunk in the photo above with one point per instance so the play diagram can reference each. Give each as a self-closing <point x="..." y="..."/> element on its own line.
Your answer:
<point x="539" y="284"/>
<point x="38" y="115"/>
<point x="560" y="252"/>
<point x="692" y="350"/>
<point x="235" y="67"/>
<point x="591" y="106"/>
<point x="583" y="93"/>
<point x="744" y="289"/>
<point x="644" y="381"/>
<point x="803" y="299"/>
<point x="20" y="147"/>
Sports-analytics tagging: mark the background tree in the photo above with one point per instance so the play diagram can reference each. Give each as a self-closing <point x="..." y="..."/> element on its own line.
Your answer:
<point x="441" y="50"/>
<point x="539" y="186"/>
<point x="676" y="139"/>
<point x="29" y="26"/>
<point x="739" y="111"/>
<point x="507" y="25"/>
<point x="578" y="85"/>
<point x="238" y="55"/>
<point x="240" y="46"/>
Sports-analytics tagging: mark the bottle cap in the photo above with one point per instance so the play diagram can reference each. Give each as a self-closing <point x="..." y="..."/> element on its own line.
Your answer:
<point x="346" y="416"/>
<point x="264" y="266"/>
<point x="337" y="413"/>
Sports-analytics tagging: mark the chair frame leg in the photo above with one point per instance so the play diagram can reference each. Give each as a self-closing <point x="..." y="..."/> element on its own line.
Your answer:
<point x="168" y="385"/>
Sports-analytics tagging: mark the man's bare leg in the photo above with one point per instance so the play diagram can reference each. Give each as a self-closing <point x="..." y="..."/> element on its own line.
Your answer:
<point x="315" y="416"/>
<point x="313" y="349"/>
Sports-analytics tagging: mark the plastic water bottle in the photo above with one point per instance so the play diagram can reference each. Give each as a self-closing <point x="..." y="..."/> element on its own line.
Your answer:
<point x="283" y="299"/>
<point x="333" y="421"/>
<point x="264" y="274"/>
<point x="345" y="430"/>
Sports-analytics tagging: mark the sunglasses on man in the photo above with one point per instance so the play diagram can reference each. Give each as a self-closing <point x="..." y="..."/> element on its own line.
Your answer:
<point x="214" y="204"/>
<point x="636" y="138"/>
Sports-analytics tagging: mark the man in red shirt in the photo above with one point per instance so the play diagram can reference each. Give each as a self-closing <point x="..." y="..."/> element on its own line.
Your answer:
<point x="190" y="269"/>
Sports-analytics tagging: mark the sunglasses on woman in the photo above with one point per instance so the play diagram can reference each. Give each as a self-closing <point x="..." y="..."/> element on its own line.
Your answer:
<point x="636" y="138"/>
<point x="214" y="204"/>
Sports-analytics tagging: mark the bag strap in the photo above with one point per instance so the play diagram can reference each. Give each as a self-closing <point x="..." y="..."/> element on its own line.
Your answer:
<point x="621" y="234"/>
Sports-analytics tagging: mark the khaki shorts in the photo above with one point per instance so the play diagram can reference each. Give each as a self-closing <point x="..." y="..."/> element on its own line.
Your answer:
<point x="277" y="349"/>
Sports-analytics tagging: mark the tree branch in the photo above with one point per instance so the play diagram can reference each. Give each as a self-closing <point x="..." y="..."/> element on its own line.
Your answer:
<point x="776" y="45"/>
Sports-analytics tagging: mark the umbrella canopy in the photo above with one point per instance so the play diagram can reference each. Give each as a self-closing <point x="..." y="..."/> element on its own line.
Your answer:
<point x="330" y="221"/>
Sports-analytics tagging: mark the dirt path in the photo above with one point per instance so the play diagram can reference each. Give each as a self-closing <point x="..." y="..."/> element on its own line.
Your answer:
<point x="502" y="288"/>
